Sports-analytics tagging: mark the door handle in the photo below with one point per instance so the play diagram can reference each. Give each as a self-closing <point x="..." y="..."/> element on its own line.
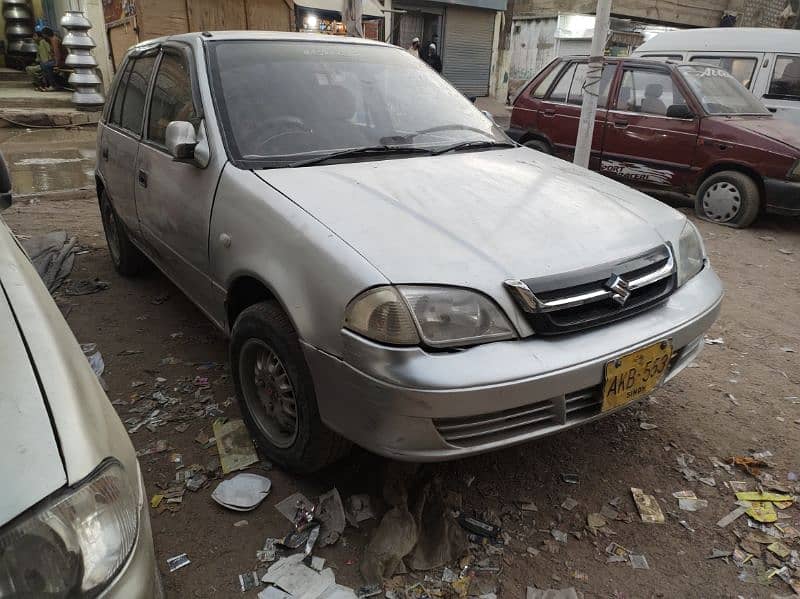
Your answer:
<point x="773" y="110"/>
<point x="141" y="178"/>
<point x="548" y="112"/>
<point x="104" y="153"/>
<point x="620" y="124"/>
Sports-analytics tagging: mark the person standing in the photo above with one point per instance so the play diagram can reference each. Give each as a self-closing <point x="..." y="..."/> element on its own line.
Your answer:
<point x="433" y="59"/>
<point x="59" y="55"/>
<point x="413" y="49"/>
<point x="41" y="72"/>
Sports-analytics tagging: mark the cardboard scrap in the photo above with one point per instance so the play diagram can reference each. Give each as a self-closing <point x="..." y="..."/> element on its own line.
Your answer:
<point x="649" y="510"/>
<point x="236" y="451"/>
<point x="779" y="549"/>
<point x="758" y="496"/>
<point x="726" y="520"/>
<point x="762" y="511"/>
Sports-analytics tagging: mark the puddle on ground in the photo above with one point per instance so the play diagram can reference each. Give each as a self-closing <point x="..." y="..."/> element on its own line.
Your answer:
<point x="49" y="160"/>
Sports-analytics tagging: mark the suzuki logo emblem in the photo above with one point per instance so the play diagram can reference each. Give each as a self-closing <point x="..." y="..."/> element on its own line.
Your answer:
<point x="620" y="291"/>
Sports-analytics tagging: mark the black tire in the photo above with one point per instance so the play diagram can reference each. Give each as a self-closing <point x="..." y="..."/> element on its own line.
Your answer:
<point x="538" y="144"/>
<point x="264" y="327"/>
<point x="730" y="198"/>
<point x="5" y="178"/>
<point x="126" y="257"/>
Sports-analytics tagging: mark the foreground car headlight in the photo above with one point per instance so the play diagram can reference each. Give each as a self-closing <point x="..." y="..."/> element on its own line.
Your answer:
<point x="437" y="316"/>
<point x="691" y="253"/>
<point x="75" y="544"/>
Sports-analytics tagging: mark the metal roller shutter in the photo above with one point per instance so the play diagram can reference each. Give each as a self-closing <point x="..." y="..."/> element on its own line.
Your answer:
<point x="467" y="55"/>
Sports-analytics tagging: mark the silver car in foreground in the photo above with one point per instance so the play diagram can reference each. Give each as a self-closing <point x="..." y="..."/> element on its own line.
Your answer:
<point x="390" y="268"/>
<point x="73" y="509"/>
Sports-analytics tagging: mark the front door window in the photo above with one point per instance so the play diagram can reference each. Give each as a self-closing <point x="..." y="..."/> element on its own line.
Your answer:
<point x="648" y="92"/>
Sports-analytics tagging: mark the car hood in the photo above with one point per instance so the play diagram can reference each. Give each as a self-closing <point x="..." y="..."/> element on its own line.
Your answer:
<point x="30" y="466"/>
<point x="779" y="130"/>
<point x="477" y="218"/>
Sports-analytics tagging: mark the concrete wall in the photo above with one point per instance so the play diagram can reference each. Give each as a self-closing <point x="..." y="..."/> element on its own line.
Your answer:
<point x="761" y="13"/>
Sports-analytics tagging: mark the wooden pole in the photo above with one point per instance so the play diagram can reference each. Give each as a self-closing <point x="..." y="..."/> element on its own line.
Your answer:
<point x="591" y="88"/>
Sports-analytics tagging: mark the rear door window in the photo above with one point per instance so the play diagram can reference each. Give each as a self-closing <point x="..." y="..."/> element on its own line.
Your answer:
<point x="741" y="67"/>
<point x="119" y="95"/>
<point x="560" y="91"/>
<point x="540" y="91"/>
<point x="579" y="80"/>
<point x="172" y="97"/>
<point x="135" y="94"/>
<point x="647" y="91"/>
<point x="785" y="81"/>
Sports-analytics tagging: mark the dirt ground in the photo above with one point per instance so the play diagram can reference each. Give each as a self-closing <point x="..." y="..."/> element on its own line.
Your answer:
<point x="739" y="397"/>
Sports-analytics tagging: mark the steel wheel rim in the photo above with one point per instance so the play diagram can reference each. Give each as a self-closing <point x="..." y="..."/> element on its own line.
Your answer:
<point x="722" y="201"/>
<point x="268" y="393"/>
<point x="112" y="237"/>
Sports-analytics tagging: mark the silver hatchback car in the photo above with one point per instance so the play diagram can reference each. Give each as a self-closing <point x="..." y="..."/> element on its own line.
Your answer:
<point x="391" y="269"/>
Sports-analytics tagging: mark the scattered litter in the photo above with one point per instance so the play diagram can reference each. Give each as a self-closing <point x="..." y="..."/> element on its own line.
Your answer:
<point x="330" y="513"/>
<point x="740" y="556"/>
<point x="618" y="551"/>
<point x="317" y="563"/>
<point x="648" y="507"/>
<point x="534" y="593"/>
<point x="647" y="426"/>
<point x="686" y="525"/>
<point x="759" y="496"/>
<point x="751" y="465"/>
<point x="570" y="479"/>
<point x="779" y="549"/>
<point x="595" y="520"/>
<point x="358" y="509"/>
<point x="717" y="341"/>
<point x="692" y="504"/>
<point x="243" y="492"/>
<point x="295" y="508"/>
<point x="269" y="552"/>
<point x="559" y="536"/>
<point x="292" y="576"/>
<point x="717" y="463"/>
<point x="170" y="361"/>
<point x="240" y="523"/>
<point x="234" y="444"/>
<point x="569" y="504"/>
<point x="273" y="593"/>
<point x="155" y="501"/>
<point x="196" y="481"/>
<point x="762" y="511"/>
<point x="719" y="553"/>
<point x="154" y="447"/>
<point x="248" y="581"/>
<point x="52" y="255"/>
<point x="85" y="286"/>
<point x="528" y="506"/>
<point x="707" y="480"/>
<point x="639" y="562"/>
<point x="177" y="562"/>
<point x="726" y="520"/>
<point x="449" y="576"/>
<point x="479" y="527"/>
<point x="732" y="398"/>
<point x="94" y="357"/>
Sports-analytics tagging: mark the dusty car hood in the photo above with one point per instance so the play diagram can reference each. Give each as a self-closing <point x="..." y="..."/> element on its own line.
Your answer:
<point x="476" y="218"/>
<point x="30" y="466"/>
<point x="779" y="130"/>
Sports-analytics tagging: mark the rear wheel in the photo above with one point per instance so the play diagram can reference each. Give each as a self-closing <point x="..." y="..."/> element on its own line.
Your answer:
<point x="728" y="197"/>
<point x="127" y="258"/>
<point x="538" y="144"/>
<point x="276" y="391"/>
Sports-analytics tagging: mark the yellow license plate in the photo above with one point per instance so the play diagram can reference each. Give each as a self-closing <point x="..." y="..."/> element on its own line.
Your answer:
<point x="636" y="374"/>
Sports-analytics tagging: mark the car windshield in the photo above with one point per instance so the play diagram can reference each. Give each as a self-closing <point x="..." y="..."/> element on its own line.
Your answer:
<point x="283" y="102"/>
<point x="719" y="92"/>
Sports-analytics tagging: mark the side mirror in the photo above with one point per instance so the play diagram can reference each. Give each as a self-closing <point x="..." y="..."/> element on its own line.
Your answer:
<point x="5" y="185"/>
<point x="181" y="141"/>
<point x="680" y="111"/>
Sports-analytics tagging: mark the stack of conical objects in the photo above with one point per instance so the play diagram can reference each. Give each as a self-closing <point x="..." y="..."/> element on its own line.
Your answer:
<point x="20" y="47"/>
<point x="88" y="86"/>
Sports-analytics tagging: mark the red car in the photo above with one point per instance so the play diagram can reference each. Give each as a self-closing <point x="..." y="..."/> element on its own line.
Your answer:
<point x="670" y="126"/>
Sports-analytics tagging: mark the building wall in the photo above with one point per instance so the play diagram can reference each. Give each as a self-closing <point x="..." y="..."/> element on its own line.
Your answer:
<point x="761" y="13"/>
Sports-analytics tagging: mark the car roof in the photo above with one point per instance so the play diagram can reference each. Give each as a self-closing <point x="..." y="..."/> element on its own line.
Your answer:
<point x="196" y="36"/>
<point x="725" y="39"/>
<point x="641" y="60"/>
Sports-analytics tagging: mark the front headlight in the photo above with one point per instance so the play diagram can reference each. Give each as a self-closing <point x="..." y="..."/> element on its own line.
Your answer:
<point x="74" y="544"/>
<point x="438" y="316"/>
<point x="691" y="253"/>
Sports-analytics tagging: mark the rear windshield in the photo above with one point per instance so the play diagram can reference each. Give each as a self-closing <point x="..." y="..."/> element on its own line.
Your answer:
<point x="281" y="101"/>
<point x="719" y="92"/>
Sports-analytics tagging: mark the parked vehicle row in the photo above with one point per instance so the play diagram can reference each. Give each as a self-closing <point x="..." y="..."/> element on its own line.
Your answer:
<point x="669" y="126"/>
<point x="392" y="270"/>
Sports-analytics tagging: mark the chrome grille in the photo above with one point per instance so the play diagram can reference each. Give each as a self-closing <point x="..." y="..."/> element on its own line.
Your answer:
<point x="596" y="296"/>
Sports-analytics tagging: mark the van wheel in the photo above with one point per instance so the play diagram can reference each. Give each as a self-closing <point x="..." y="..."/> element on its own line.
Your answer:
<point x="127" y="258"/>
<point x="728" y="197"/>
<point x="538" y="144"/>
<point x="276" y="392"/>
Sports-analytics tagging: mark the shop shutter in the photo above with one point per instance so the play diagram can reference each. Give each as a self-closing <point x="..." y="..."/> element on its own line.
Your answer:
<point x="467" y="56"/>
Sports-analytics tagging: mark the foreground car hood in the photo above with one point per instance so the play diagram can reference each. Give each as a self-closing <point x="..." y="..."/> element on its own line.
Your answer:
<point x="30" y="466"/>
<point x="477" y="218"/>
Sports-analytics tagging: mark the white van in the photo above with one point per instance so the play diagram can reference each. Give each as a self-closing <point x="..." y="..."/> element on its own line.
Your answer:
<point x="766" y="61"/>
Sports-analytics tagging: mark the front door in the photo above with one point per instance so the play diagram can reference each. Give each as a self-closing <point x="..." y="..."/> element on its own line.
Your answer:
<point x="174" y="199"/>
<point x="642" y="145"/>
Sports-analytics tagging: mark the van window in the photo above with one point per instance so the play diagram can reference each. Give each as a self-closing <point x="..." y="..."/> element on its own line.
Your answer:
<point x="579" y="80"/>
<point x="785" y="78"/>
<point x="664" y="56"/>
<point x="135" y="92"/>
<point x="541" y="89"/>
<point x="741" y="67"/>
<point x="172" y="97"/>
<point x="647" y="91"/>
<point x="560" y="91"/>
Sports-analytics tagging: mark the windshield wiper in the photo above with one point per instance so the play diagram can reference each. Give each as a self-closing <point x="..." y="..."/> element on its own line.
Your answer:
<point x="354" y="152"/>
<point x="474" y="144"/>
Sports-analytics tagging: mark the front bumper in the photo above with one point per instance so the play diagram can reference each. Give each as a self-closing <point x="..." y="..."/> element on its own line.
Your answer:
<point x="406" y="403"/>
<point x="782" y="197"/>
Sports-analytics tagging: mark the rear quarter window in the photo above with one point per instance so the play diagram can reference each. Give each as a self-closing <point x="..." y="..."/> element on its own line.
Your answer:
<point x="785" y="82"/>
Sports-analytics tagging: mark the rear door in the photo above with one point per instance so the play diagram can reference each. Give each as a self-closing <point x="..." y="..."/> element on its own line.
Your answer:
<point x="119" y="141"/>
<point x="560" y="111"/>
<point x="642" y="145"/>
<point x="174" y="199"/>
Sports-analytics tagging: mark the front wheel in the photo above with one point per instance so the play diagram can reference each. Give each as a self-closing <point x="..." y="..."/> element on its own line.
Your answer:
<point x="276" y="391"/>
<point x="125" y="256"/>
<point x="728" y="197"/>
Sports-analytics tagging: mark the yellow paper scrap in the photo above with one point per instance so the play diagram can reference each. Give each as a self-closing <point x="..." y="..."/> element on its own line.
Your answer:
<point x="762" y="511"/>
<point x="782" y="505"/>
<point x="779" y="549"/>
<point x="156" y="501"/>
<point x="756" y="496"/>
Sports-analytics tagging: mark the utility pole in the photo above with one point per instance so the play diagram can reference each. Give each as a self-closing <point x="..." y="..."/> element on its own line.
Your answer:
<point x="591" y="88"/>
